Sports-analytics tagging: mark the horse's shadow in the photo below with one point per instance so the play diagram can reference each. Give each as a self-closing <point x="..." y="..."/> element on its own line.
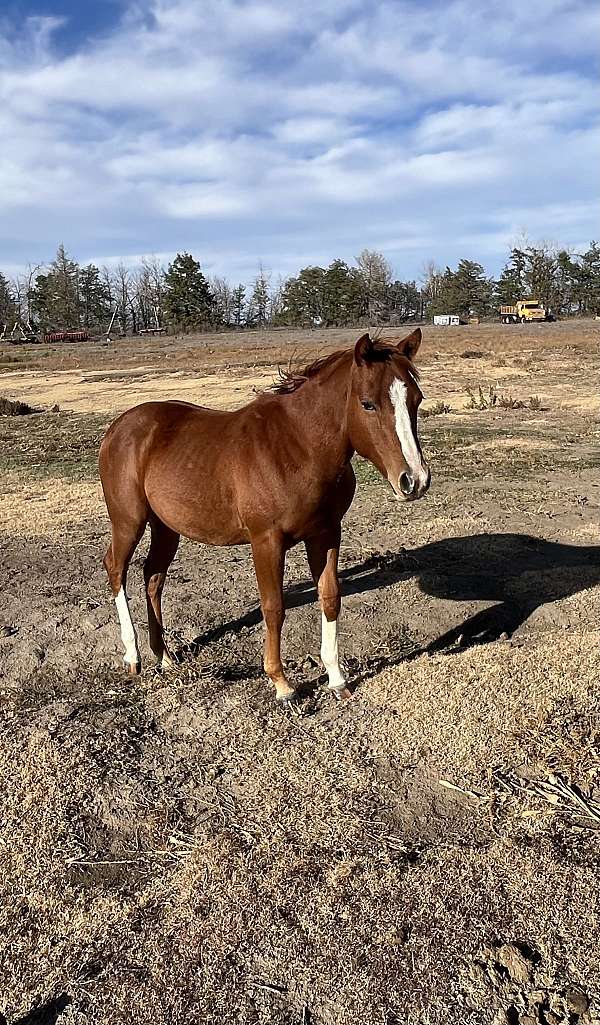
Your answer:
<point x="518" y="573"/>
<point x="47" y="1013"/>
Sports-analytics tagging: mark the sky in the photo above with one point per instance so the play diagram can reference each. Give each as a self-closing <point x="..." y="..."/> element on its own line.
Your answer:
<point x="249" y="131"/>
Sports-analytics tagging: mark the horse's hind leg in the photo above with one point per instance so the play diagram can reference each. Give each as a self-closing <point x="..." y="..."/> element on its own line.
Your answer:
<point x="125" y="538"/>
<point x="163" y="547"/>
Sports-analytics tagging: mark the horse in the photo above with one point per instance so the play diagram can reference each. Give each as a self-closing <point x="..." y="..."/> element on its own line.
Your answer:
<point x="272" y="474"/>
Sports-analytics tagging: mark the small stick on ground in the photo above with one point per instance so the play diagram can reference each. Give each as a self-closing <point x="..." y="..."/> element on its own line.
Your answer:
<point x="462" y="790"/>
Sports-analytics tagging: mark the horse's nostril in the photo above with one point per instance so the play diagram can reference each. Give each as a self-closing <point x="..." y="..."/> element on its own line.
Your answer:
<point x="407" y="484"/>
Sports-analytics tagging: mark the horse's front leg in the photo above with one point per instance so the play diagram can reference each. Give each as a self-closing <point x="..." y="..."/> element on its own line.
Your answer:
<point x="268" y="552"/>
<point x="323" y="552"/>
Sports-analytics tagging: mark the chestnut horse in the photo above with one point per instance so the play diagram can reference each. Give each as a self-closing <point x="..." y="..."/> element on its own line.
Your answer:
<point x="271" y="474"/>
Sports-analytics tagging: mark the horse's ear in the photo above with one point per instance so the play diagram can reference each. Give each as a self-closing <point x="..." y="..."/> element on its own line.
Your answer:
<point x="363" y="350"/>
<point x="409" y="346"/>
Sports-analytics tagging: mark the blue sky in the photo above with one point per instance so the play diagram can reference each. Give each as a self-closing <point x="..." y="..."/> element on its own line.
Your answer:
<point x="251" y="130"/>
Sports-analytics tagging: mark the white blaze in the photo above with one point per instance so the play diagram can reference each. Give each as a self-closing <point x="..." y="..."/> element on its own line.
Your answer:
<point x="132" y="655"/>
<point x="410" y="451"/>
<point x="329" y="653"/>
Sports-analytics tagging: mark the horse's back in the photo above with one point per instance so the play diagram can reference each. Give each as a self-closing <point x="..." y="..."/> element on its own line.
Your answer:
<point x="150" y="424"/>
<point x="157" y="413"/>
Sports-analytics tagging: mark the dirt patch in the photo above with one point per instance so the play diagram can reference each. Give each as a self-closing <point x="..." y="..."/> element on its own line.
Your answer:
<point x="114" y="393"/>
<point x="536" y="444"/>
<point x="49" y="507"/>
<point x="178" y="849"/>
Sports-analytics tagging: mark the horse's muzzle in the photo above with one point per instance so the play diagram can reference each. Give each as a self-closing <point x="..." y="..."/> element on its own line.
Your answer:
<point x="414" y="487"/>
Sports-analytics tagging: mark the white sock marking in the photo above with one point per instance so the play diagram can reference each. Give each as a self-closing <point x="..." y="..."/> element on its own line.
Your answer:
<point x="329" y="653"/>
<point x="404" y="430"/>
<point x="128" y="636"/>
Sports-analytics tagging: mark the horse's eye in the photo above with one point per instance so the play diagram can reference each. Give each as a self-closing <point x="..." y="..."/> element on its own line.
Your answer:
<point x="367" y="404"/>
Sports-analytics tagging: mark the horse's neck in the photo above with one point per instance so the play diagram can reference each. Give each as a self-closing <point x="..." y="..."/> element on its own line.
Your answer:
<point x="319" y="410"/>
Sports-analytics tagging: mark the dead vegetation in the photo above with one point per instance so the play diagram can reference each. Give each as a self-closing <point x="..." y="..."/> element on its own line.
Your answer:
<point x="176" y="849"/>
<point x="492" y="399"/>
<point x="438" y="409"/>
<point x="52" y="444"/>
<point x="307" y="861"/>
<point x="8" y="407"/>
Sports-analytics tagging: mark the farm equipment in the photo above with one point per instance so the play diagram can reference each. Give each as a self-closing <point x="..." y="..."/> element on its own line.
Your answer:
<point x="20" y="334"/>
<point x="25" y="333"/>
<point x="525" y="311"/>
<point x="154" y="329"/>
<point x="446" y="320"/>
<point x="66" y="336"/>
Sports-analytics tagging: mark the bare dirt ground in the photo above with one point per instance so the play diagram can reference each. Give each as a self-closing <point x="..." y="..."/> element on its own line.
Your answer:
<point x="178" y="849"/>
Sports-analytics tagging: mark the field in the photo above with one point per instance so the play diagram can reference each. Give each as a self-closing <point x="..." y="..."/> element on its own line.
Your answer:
<point x="177" y="849"/>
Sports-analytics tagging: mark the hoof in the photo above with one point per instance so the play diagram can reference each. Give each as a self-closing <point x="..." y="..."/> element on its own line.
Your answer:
<point x="133" y="668"/>
<point x="341" y="693"/>
<point x="286" y="698"/>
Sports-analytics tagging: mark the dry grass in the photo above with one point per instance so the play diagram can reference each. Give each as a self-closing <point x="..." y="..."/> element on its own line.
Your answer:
<point x="213" y="859"/>
<point x="492" y="399"/>
<point x="49" y="506"/>
<point x="112" y="391"/>
<point x="438" y="409"/>
<point x="8" y="407"/>
<point x="178" y="850"/>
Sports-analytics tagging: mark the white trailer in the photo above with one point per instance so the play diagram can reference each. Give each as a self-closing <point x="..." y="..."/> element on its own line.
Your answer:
<point x="446" y="320"/>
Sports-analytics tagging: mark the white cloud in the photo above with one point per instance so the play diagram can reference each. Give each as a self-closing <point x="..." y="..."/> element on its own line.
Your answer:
<point x="243" y="129"/>
<point x="299" y="131"/>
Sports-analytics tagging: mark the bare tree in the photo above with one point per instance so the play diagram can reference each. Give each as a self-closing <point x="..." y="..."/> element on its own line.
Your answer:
<point x="431" y="282"/>
<point x="276" y="304"/>
<point x="22" y="287"/>
<point x="122" y="291"/>
<point x="147" y="286"/>
<point x="154" y="275"/>
<point x="376" y="274"/>
<point x="224" y="301"/>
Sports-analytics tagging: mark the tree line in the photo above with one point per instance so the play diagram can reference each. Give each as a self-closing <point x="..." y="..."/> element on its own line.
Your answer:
<point x="68" y="296"/>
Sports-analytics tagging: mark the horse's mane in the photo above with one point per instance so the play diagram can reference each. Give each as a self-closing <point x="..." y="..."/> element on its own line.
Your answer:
<point x="290" y="380"/>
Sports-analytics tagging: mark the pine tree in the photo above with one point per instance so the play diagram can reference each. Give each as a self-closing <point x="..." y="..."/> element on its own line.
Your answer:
<point x="586" y="280"/>
<point x="8" y="305"/>
<point x="532" y="272"/>
<point x="94" y="298"/>
<point x="463" y="291"/>
<point x="405" y="300"/>
<point x="55" y="295"/>
<point x="540" y="274"/>
<point x="332" y="296"/>
<point x="343" y="299"/>
<point x="258" y="307"/>
<point x="188" y="299"/>
<point x="302" y="298"/>
<point x="565" y="287"/>
<point x="508" y="288"/>
<point x="238" y="304"/>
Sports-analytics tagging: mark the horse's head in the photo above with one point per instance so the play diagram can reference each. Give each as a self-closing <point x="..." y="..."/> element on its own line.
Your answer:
<point x="382" y="412"/>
